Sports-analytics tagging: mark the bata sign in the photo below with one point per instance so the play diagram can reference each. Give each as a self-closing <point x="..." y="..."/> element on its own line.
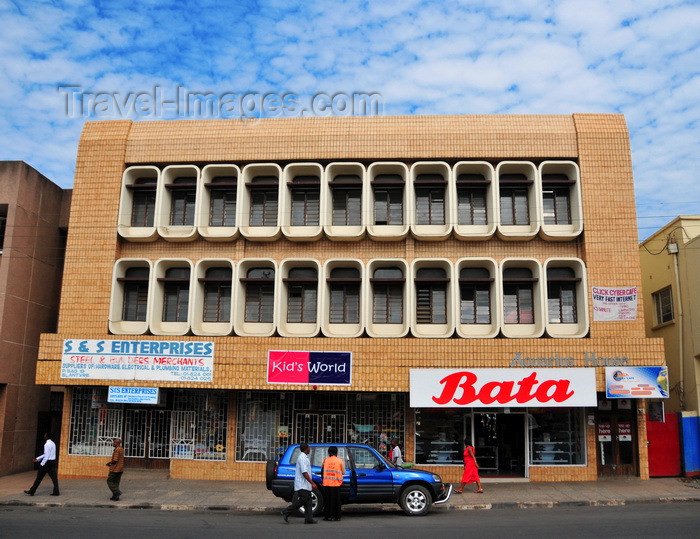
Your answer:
<point x="513" y="388"/>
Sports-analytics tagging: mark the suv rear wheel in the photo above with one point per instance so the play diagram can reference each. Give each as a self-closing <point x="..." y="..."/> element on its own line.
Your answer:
<point x="316" y="504"/>
<point x="270" y="473"/>
<point x="415" y="500"/>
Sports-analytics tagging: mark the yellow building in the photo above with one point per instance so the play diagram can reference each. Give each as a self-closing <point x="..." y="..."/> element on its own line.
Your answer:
<point x="232" y="287"/>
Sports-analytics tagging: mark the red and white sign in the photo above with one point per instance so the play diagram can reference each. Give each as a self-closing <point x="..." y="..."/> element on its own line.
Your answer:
<point x="492" y="388"/>
<point x="604" y="430"/>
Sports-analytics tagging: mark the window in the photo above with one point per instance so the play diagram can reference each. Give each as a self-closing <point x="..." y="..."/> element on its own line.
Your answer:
<point x="305" y="192"/>
<point x="557" y="436"/>
<point x="135" y="301"/>
<point x="217" y="295"/>
<point x="388" y="199"/>
<point x="263" y="200"/>
<point x="514" y="199"/>
<point x="387" y="286"/>
<point x="518" y="307"/>
<point x="663" y="303"/>
<point x="555" y="199"/>
<point x="344" y="286"/>
<point x="222" y="197"/>
<point x="431" y="296"/>
<point x="259" y="295"/>
<point x="471" y="199"/>
<point x="347" y="200"/>
<point x="143" y="204"/>
<point x="561" y="295"/>
<point x="176" y="294"/>
<point x="182" y="201"/>
<point x="430" y="199"/>
<point x="475" y="296"/>
<point x="3" y="224"/>
<point x="302" y="294"/>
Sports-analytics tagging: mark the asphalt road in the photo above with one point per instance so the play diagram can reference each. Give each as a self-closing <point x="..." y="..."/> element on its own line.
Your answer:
<point x="653" y="520"/>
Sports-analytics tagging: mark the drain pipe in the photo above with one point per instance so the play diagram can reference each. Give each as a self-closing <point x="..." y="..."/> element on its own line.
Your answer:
<point x="673" y="250"/>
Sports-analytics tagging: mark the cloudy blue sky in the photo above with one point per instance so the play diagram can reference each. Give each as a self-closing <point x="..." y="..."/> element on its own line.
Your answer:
<point x="640" y="58"/>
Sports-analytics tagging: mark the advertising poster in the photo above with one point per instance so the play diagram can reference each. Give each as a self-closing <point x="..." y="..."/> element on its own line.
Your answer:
<point x="611" y="304"/>
<point x="636" y="382"/>
<point x="166" y="361"/>
<point x="295" y="367"/>
<point x="133" y="395"/>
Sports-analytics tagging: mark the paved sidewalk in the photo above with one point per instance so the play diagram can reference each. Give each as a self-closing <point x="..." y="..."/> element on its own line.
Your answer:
<point x="144" y="489"/>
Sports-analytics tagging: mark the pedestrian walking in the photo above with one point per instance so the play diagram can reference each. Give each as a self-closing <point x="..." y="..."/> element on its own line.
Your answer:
<point x="471" y="470"/>
<point x="396" y="457"/>
<point x="332" y="472"/>
<point x="303" y="485"/>
<point x="116" y="468"/>
<point x="47" y="466"/>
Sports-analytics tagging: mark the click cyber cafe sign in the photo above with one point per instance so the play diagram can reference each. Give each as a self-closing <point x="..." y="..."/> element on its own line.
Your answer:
<point x="167" y="361"/>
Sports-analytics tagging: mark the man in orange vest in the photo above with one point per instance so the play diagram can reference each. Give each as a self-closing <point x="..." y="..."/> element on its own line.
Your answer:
<point x="332" y="471"/>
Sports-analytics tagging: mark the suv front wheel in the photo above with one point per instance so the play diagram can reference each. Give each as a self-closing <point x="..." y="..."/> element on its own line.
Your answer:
<point x="415" y="500"/>
<point x="316" y="504"/>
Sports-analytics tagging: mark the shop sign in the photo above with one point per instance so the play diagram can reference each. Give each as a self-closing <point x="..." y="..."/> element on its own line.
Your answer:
<point x="612" y="304"/>
<point x="514" y="388"/>
<point x="133" y="395"/>
<point x="604" y="432"/>
<point x="166" y="361"/>
<point x="296" y="367"/>
<point x="636" y="383"/>
<point x="624" y="431"/>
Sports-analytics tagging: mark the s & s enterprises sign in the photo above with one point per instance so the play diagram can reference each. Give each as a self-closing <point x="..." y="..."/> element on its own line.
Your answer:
<point x="513" y="388"/>
<point x="167" y="361"/>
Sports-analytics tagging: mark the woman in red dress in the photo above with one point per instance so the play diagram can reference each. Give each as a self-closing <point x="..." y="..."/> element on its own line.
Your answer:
<point x="471" y="470"/>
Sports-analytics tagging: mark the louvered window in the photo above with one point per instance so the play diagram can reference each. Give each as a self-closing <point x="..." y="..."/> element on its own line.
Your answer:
<point x="344" y="286"/>
<point x="555" y="199"/>
<point x="387" y="304"/>
<point x="518" y="305"/>
<point x="431" y="296"/>
<point x="222" y="205"/>
<point x="471" y="199"/>
<point x="388" y="199"/>
<point x="143" y="204"/>
<point x="302" y="294"/>
<point x="259" y="295"/>
<point x="430" y="199"/>
<point x="263" y="201"/>
<point x="217" y="295"/>
<point x="561" y="295"/>
<point x="183" y="196"/>
<point x="475" y="296"/>
<point x="176" y="294"/>
<point x="347" y="200"/>
<point x="514" y="199"/>
<point x="306" y="191"/>
<point x="135" y="286"/>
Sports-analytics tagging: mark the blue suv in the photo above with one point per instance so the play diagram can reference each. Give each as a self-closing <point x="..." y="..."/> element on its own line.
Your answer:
<point x="369" y="478"/>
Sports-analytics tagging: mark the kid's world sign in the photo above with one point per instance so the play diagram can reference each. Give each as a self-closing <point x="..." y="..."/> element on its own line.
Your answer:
<point x="168" y="361"/>
<point x="294" y="367"/>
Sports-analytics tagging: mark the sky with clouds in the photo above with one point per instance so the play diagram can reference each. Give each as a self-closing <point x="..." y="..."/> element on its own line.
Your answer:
<point x="640" y="58"/>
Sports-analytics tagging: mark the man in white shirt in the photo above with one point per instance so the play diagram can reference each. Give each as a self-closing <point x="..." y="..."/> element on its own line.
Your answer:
<point x="47" y="466"/>
<point x="396" y="458"/>
<point x="303" y="485"/>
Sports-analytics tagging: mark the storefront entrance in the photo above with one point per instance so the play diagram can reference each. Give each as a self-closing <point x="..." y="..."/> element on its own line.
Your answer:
<point x="616" y="439"/>
<point x="326" y="428"/>
<point x="500" y="443"/>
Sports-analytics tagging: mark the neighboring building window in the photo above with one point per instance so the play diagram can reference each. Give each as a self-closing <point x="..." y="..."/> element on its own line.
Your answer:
<point x="555" y="199"/>
<point x="387" y="287"/>
<point x="176" y="294"/>
<point x="259" y="295"/>
<point x="663" y="303"/>
<point x="143" y="206"/>
<point x="388" y="199"/>
<point x="222" y="205"/>
<point x="561" y="295"/>
<point x="518" y="306"/>
<point x="475" y="296"/>
<point x="135" y="301"/>
<point x="515" y="208"/>
<point x="471" y="199"/>
<point x="217" y="295"/>
<point x="183" y="193"/>
<point x="347" y="200"/>
<point x="431" y="296"/>
<point x="344" y="286"/>
<point x="306" y="192"/>
<point x="3" y="224"/>
<point x="264" y="194"/>
<point x="430" y="199"/>
<point x="302" y="295"/>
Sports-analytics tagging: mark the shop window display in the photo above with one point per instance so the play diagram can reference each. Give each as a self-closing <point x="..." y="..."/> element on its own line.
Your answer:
<point x="557" y="437"/>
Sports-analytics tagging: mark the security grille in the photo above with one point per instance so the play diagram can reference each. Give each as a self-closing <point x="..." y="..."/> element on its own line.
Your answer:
<point x="135" y="433"/>
<point x="93" y="424"/>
